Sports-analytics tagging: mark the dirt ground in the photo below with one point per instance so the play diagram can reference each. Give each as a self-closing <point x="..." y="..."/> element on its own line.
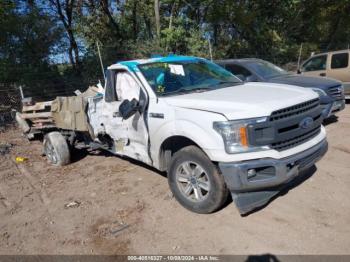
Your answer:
<point x="102" y="204"/>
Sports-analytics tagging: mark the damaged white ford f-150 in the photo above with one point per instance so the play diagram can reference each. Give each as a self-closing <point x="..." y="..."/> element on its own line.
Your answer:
<point x="213" y="134"/>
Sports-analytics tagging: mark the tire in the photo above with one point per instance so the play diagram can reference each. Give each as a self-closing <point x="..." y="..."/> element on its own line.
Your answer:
<point x="195" y="181"/>
<point x="56" y="149"/>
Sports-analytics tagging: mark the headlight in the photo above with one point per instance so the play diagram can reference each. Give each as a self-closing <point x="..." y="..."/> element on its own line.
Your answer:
<point x="320" y="92"/>
<point x="235" y="135"/>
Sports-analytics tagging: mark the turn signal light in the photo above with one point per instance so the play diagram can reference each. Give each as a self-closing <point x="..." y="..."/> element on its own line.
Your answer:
<point x="244" y="137"/>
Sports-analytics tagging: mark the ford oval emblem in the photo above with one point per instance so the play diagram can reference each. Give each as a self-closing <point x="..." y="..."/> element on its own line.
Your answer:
<point x="306" y="122"/>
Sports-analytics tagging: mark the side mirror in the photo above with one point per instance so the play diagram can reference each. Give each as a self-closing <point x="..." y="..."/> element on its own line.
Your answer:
<point x="128" y="108"/>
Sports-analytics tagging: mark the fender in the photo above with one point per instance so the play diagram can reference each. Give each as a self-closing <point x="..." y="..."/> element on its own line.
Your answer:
<point x="205" y="138"/>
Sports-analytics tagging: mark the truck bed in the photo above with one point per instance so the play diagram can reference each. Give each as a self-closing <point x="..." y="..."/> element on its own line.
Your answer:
<point x="39" y="115"/>
<point x="64" y="113"/>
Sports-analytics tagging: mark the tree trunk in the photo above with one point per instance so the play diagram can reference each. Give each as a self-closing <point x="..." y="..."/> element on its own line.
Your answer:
<point x="66" y="19"/>
<point x="172" y="15"/>
<point x="105" y="9"/>
<point x="157" y="17"/>
<point x="171" y="22"/>
<point x="134" y="20"/>
<point x="74" y="47"/>
<point x="71" y="58"/>
<point x="148" y="26"/>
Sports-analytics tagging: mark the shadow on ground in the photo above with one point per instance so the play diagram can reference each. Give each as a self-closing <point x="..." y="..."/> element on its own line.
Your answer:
<point x="262" y="258"/>
<point x="79" y="154"/>
<point x="330" y="120"/>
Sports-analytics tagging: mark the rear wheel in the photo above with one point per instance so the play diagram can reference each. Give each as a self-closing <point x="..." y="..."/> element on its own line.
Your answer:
<point x="56" y="149"/>
<point x="196" y="182"/>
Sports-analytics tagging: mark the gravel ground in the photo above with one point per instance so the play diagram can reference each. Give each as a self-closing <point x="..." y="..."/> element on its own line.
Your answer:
<point x="101" y="204"/>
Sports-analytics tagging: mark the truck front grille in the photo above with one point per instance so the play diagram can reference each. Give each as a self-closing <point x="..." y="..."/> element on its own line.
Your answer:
<point x="335" y="92"/>
<point x="284" y="128"/>
<point x="295" y="110"/>
<point x="289" y="143"/>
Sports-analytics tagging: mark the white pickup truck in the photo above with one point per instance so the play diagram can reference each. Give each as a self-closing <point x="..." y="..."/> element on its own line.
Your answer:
<point x="210" y="132"/>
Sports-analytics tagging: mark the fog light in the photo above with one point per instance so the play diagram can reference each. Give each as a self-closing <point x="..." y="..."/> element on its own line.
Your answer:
<point x="251" y="173"/>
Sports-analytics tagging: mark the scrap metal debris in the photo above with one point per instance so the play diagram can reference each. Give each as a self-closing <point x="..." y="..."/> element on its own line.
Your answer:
<point x="72" y="204"/>
<point x="116" y="230"/>
<point x="111" y="230"/>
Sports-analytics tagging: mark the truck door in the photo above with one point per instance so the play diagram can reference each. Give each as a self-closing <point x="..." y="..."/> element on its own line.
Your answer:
<point x="129" y="136"/>
<point x="315" y="66"/>
<point x="340" y="66"/>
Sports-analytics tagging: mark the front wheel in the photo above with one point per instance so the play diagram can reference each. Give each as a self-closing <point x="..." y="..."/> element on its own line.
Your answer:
<point x="195" y="181"/>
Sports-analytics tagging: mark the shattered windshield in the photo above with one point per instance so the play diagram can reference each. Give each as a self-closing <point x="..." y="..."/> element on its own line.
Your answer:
<point x="180" y="77"/>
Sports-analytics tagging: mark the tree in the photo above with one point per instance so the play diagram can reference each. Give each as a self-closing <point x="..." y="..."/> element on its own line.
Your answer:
<point x="35" y="32"/>
<point x="27" y="47"/>
<point x="64" y="9"/>
<point x="157" y="18"/>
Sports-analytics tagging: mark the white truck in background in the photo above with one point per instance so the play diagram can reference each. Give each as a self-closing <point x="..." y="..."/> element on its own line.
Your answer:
<point x="213" y="134"/>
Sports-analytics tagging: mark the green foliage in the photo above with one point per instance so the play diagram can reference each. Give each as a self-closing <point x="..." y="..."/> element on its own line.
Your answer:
<point x="27" y="46"/>
<point x="182" y="37"/>
<point x="33" y="34"/>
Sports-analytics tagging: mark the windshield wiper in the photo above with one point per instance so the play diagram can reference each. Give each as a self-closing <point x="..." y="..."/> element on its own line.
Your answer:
<point x="186" y="90"/>
<point x="228" y="82"/>
<point x="198" y="89"/>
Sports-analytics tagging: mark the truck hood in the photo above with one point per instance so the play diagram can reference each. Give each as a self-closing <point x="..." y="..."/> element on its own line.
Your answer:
<point x="305" y="81"/>
<point x="243" y="101"/>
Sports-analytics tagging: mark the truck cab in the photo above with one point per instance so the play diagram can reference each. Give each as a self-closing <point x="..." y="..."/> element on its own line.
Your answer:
<point x="335" y="64"/>
<point x="213" y="134"/>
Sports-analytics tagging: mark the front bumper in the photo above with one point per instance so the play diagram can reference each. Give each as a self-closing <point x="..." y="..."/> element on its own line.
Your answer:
<point x="333" y="107"/>
<point x="346" y="90"/>
<point x="252" y="183"/>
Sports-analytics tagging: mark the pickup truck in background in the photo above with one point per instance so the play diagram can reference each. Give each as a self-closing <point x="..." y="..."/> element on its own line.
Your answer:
<point x="335" y="64"/>
<point x="213" y="134"/>
<point x="331" y="91"/>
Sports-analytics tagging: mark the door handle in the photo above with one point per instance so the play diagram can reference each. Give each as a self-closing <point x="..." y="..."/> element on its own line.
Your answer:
<point x="323" y="74"/>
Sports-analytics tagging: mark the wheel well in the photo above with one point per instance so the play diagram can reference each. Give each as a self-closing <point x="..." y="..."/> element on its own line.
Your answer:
<point x="169" y="147"/>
